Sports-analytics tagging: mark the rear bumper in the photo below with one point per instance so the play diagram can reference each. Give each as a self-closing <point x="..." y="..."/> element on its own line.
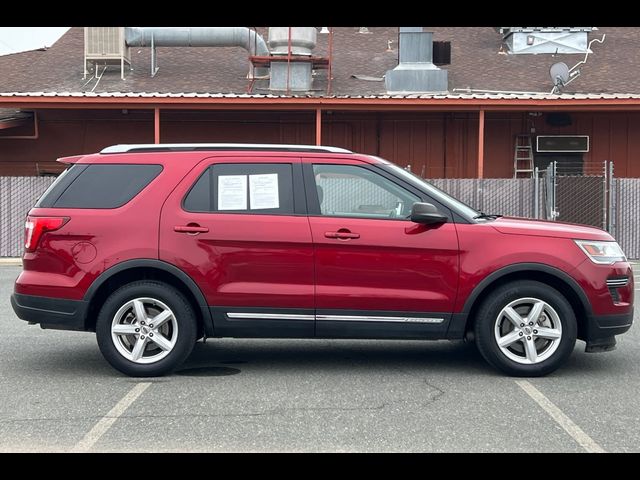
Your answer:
<point x="54" y="313"/>
<point x="604" y="326"/>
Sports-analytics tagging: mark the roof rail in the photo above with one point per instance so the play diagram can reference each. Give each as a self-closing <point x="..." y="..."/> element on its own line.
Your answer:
<point x="189" y="147"/>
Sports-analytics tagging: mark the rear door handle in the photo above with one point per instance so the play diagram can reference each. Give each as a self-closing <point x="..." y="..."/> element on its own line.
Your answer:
<point x="191" y="229"/>
<point x="341" y="235"/>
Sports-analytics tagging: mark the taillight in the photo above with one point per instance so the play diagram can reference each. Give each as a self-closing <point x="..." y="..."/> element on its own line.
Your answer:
<point x="36" y="226"/>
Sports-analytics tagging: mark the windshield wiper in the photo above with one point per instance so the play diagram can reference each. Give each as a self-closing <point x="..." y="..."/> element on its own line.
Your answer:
<point x="487" y="215"/>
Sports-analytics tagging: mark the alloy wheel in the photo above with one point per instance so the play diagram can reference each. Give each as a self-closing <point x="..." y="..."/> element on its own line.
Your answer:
<point x="528" y="330"/>
<point x="144" y="330"/>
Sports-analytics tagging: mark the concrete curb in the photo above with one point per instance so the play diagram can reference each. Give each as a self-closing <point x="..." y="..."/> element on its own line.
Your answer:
<point x="14" y="262"/>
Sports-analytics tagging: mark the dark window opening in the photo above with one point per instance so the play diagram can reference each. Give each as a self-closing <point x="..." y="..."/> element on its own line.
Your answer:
<point x="98" y="185"/>
<point x="442" y="53"/>
<point x="249" y="188"/>
<point x="558" y="119"/>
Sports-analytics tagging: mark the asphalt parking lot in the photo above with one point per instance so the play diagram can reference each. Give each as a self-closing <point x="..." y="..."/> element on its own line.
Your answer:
<point x="58" y="394"/>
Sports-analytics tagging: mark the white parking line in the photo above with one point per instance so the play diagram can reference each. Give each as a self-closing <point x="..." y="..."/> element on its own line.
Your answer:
<point x="584" y="440"/>
<point x="105" y="423"/>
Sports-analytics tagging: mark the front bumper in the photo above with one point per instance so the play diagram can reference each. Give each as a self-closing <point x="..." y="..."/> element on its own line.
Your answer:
<point x="54" y="313"/>
<point x="601" y="330"/>
<point x="599" y="326"/>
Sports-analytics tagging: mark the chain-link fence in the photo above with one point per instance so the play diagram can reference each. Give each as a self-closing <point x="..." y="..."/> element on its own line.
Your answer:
<point x="350" y="194"/>
<point x="599" y="200"/>
<point x="625" y="215"/>
<point x="17" y="196"/>
<point x="507" y="196"/>
<point x="514" y="197"/>
<point x="577" y="193"/>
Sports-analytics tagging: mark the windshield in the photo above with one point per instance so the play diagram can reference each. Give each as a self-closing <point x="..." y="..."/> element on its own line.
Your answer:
<point x="462" y="208"/>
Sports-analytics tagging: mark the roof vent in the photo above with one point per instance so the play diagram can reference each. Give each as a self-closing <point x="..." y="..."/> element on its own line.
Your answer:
<point x="553" y="40"/>
<point x="415" y="71"/>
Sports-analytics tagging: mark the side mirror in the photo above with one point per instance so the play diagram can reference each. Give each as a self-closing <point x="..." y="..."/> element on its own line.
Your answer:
<point x="427" y="214"/>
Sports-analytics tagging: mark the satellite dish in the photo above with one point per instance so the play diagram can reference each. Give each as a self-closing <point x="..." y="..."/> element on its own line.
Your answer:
<point x="559" y="73"/>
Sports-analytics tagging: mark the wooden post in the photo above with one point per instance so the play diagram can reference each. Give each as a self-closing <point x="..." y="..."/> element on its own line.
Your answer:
<point x="318" y="126"/>
<point x="481" y="145"/>
<point x="156" y="125"/>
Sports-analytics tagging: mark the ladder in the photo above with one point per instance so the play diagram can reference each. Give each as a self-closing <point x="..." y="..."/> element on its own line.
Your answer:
<point x="523" y="157"/>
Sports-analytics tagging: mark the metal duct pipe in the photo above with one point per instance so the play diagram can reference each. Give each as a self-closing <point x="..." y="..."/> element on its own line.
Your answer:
<point x="197" y="37"/>
<point x="243" y="37"/>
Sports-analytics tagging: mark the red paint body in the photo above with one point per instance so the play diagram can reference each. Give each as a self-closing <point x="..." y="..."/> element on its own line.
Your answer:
<point x="275" y="261"/>
<point x="392" y="266"/>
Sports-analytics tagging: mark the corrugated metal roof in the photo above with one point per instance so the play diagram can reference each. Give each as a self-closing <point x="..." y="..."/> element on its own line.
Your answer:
<point x="448" y="96"/>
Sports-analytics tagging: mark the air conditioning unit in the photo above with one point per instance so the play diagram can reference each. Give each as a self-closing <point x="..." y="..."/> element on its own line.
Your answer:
<point x="105" y="46"/>
<point x="562" y="143"/>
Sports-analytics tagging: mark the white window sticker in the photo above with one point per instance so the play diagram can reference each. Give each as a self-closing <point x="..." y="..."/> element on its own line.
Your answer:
<point x="263" y="191"/>
<point x="232" y="192"/>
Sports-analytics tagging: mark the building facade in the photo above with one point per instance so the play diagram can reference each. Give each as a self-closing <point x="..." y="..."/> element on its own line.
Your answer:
<point x="496" y="92"/>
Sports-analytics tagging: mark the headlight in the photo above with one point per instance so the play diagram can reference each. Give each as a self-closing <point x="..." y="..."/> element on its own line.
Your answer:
<point x="603" y="253"/>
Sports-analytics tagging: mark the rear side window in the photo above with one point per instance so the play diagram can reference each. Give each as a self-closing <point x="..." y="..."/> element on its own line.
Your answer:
<point x="98" y="185"/>
<point x="253" y="188"/>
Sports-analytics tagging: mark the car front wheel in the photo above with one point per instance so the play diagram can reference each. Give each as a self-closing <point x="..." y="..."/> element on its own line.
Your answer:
<point x="526" y="328"/>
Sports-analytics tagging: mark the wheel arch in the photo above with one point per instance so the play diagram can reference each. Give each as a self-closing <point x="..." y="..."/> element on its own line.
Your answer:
<point x="146" y="269"/>
<point x="463" y="322"/>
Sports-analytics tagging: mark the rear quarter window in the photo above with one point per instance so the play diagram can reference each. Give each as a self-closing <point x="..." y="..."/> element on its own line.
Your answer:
<point x="98" y="185"/>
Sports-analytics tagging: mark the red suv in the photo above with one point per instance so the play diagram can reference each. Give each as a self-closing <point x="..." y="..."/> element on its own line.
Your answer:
<point x="156" y="246"/>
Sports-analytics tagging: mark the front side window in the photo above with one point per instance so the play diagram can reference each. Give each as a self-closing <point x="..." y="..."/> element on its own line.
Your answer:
<point x="250" y="188"/>
<point x="439" y="195"/>
<point x="352" y="191"/>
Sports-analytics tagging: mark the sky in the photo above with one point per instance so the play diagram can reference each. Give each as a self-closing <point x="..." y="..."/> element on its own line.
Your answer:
<point x="19" y="39"/>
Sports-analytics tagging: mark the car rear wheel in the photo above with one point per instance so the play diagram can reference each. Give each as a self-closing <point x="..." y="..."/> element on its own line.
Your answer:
<point x="146" y="329"/>
<point x="526" y="329"/>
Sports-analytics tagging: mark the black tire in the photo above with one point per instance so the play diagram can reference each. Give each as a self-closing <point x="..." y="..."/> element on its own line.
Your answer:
<point x="487" y="316"/>
<point x="184" y="316"/>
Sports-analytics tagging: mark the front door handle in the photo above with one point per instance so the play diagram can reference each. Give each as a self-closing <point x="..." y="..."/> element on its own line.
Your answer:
<point x="342" y="234"/>
<point x="192" y="229"/>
